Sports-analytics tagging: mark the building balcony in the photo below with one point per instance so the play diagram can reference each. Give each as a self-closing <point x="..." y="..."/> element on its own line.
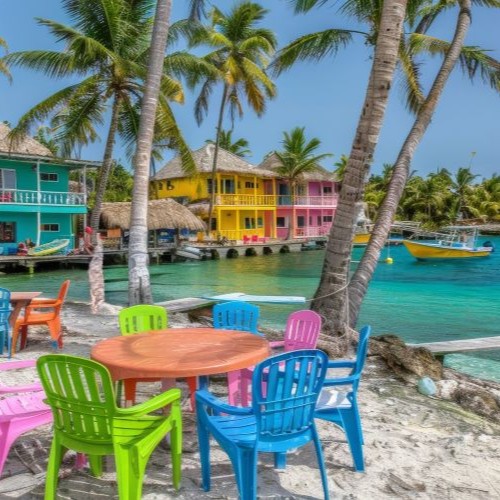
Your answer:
<point x="25" y="197"/>
<point x="310" y="201"/>
<point x="245" y="200"/>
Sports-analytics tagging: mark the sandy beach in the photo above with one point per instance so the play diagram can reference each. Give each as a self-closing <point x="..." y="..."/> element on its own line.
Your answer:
<point x="416" y="447"/>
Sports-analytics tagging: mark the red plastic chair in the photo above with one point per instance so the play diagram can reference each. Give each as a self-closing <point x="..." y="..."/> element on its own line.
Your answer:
<point x="301" y="332"/>
<point x="42" y="312"/>
<point x="246" y="239"/>
<point x="22" y="411"/>
<point x="255" y="238"/>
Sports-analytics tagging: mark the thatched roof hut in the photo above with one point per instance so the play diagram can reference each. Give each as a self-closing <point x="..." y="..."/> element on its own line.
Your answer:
<point x="162" y="214"/>
<point x="204" y="157"/>
<point x="26" y="145"/>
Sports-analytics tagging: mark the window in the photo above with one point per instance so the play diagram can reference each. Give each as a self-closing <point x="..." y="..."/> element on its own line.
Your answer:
<point x="228" y="186"/>
<point x="7" y="232"/>
<point x="50" y="228"/>
<point x="301" y="221"/>
<point x="260" y="222"/>
<point x="49" y="177"/>
<point x="327" y="189"/>
<point x="7" y="178"/>
<point x="209" y="186"/>
<point x="281" y="222"/>
<point x="249" y="185"/>
<point x="327" y="218"/>
<point x="249" y="223"/>
<point x="160" y="186"/>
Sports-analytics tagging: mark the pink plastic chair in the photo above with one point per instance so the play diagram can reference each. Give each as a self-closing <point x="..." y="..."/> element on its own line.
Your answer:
<point x="21" y="412"/>
<point x="301" y="332"/>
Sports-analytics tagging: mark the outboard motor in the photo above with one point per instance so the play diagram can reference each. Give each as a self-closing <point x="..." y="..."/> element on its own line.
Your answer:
<point x="489" y="244"/>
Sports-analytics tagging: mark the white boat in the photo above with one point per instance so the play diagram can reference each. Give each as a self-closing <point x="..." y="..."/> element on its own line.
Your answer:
<point x="188" y="252"/>
<point x="459" y="243"/>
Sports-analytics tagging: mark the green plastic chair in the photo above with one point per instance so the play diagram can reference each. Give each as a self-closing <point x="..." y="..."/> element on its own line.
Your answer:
<point x="87" y="420"/>
<point x="142" y="318"/>
<point x="139" y="319"/>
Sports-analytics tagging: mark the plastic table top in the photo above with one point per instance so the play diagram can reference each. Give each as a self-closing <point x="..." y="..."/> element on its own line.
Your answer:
<point x="180" y="352"/>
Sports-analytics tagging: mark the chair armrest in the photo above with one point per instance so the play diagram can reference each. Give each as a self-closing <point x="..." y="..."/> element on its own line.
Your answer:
<point x="216" y="404"/>
<point x="277" y="343"/>
<point x="40" y="301"/>
<point x="16" y="365"/>
<point x="164" y="399"/>
<point x="45" y="305"/>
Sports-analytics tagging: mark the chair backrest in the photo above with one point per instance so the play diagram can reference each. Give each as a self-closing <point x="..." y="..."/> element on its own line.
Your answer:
<point x="4" y="299"/>
<point x="236" y="316"/>
<point x="285" y="389"/>
<point x="142" y="318"/>
<point x="302" y="330"/>
<point x="362" y="351"/>
<point x="63" y="291"/>
<point x="255" y="237"/>
<point x="80" y="393"/>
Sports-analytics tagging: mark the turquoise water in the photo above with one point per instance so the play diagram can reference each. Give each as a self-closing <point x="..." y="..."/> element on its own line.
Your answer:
<point x="420" y="301"/>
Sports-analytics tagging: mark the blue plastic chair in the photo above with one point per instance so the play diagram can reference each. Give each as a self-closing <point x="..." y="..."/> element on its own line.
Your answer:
<point x="5" y="310"/>
<point x="280" y="419"/>
<point x="341" y="406"/>
<point x="236" y="316"/>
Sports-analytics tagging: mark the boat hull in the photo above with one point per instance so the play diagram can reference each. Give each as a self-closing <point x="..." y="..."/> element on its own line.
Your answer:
<point x="361" y="239"/>
<point x="191" y="253"/>
<point x="435" y="251"/>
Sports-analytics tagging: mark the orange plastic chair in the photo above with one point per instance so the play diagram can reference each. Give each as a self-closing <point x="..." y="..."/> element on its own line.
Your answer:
<point x="42" y="312"/>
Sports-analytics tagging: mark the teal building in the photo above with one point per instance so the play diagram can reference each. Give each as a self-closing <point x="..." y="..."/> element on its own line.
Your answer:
<point x="36" y="201"/>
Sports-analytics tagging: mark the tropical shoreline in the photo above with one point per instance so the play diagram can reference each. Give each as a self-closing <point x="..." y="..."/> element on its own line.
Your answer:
<point x="416" y="446"/>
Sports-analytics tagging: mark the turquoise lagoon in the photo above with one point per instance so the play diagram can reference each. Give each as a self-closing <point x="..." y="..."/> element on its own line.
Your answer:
<point x="420" y="301"/>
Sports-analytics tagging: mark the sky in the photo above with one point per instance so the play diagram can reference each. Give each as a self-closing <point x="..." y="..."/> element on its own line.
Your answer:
<point x="324" y="97"/>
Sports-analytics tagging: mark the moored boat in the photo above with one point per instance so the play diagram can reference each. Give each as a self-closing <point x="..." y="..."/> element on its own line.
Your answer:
<point x="459" y="243"/>
<point x="189" y="252"/>
<point x="55" y="246"/>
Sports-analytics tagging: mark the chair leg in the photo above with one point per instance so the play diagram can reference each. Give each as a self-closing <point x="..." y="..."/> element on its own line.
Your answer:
<point x="95" y="462"/>
<point x="351" y="425"/>
<point x="204" y="445"/>
<point x="13" y="344"/>
<point x="55" y="458"/>
<point x="280" y="460"/>
<point x="321" y="463"/>
<point x="234" y="380"/>
<point x="245" y="469"/>
<point x="193" y="386"/>
<point x="176" y="452"/>
<point x="130" y="388"/>
<point x="6" y="441"/>
<point x="24" y="336"/>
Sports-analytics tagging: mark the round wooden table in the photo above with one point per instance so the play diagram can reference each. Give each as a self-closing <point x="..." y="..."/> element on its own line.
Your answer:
<point x="180" y="352"/>
<point x="18" y="301"/>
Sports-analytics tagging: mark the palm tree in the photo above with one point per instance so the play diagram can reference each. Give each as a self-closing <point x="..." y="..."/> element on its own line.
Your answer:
<point x="238" y="147"/>
<point x="240" y="51"/>
<point x="461" y="185"/>
<point x="107" y="47"/>
<point x="296" y="159"/>
<point x="340" y="167"/>
<point x="139" y="285"/>
<point x="330" y="297"/>
<point x="361" y="277"/>
<point x="3" y="67"/>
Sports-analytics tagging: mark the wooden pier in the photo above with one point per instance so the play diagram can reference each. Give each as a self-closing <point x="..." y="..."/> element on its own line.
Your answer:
<point x="440" y="349"/>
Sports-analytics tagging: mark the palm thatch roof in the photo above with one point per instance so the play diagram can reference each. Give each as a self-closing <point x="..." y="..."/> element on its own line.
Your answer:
<point x="203" y="158"/>
<point x="162" y="214"/>
<point x="272" y="162"/>
<point x="27" y="145"/>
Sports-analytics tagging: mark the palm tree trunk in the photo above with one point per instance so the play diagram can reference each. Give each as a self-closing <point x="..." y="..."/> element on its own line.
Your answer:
<point x="364" y="272"/>
<point x="331" y="300"/>
<point x="139" y="284"/>
<point x="216" y="154"/>
<point x="291" y="226"/>
<point x="107" y="164"/>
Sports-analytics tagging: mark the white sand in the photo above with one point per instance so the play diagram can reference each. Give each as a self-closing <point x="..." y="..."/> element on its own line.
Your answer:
<point x="415" y="447"/>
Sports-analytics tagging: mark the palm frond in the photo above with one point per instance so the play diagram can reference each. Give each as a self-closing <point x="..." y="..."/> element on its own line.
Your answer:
<point x="52" y="64"/>
<point x="312" y="47"/>
<point x="202" y="101"/>
<point x="410" y="70"/>
<point x="196" y="10"/>
<point x="306" y="5"/>
<point x="3" y="66"/>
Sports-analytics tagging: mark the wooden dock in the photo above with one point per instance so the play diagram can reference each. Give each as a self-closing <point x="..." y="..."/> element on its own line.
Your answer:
<point x="440" y="349"/>
<point x="185" y="305"/>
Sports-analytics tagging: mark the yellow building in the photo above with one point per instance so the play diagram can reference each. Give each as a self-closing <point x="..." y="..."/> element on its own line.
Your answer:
<point x="245" y="201"/>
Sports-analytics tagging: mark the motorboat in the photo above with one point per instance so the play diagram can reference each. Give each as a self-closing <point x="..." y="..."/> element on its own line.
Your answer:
<point x="189" y="252"/>
<point x="459" y="242"/>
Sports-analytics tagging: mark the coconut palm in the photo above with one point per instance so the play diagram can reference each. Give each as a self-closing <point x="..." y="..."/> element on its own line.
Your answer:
<point x="330" y="297"/>
<point x="296" y="159"/>
<point x="461" y="186"/>
<point x="240" y="49"/>
<point x="238" y="147"/>
<point x="139" y="286"/>
<point x="106" y="47"/>
<point x="340" y="167"/>
<point x="3" y="67"/>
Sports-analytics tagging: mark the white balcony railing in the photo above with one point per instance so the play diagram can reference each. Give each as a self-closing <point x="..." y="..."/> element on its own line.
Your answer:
<point x="245" y="200"/>
<point x="312" y="201"/>
<point x="25" y="197"/>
